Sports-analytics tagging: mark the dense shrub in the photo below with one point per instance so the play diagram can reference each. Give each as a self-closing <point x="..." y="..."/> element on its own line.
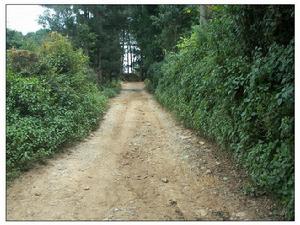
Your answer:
<point x="153" y="74"/>
<point x="58" y="52"/>
<point x="22" y="62"/>
<point x="243" y="101"/>
<point x="50" y="108"/>
<point x="111" y="89"/>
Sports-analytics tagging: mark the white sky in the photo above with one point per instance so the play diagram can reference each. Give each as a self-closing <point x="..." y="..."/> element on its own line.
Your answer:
<point x="23" y="17"/>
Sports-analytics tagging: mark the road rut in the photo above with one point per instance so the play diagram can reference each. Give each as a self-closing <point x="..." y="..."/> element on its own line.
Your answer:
<point x="139" y="165"/>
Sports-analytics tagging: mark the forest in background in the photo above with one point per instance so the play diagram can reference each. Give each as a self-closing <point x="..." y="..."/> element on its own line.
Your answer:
<point x="225" y="71"/>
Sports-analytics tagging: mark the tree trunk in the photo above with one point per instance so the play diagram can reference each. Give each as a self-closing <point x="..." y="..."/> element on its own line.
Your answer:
<point x="123" y="52"/>
<point x="99" y="70"/>
<point x="203" y="14"/>
<point x="130" y="50"/>
<point x="127" y="53"/>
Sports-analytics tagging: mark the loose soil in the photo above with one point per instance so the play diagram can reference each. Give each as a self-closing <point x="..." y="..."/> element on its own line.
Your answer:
<point x="139" y="165"/>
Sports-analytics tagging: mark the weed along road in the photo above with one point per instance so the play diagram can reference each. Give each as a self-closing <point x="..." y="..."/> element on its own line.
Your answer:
<point x="139" y="165"/>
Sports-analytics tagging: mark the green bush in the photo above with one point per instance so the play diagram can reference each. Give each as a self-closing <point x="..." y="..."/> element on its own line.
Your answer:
<point x="48" y="109"/>
<point x="111" y="88"/>
<point x="153" y="75"/>
<point x="58" y="52"/>
<point x="243" y="101"/>
<point x="22" y="62"/>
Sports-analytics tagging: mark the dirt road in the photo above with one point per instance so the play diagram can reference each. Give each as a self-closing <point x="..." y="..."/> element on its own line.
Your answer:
<point x="139" y="165"/>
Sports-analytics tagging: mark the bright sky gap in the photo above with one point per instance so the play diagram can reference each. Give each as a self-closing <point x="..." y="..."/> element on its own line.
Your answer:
<point x="23" y="18"/>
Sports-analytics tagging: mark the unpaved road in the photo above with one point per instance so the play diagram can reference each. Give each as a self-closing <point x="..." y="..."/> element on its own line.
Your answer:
<point x="139" y="165"/>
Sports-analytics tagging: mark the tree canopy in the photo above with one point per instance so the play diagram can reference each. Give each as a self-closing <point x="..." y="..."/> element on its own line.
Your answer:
<point x="226" y="71"/>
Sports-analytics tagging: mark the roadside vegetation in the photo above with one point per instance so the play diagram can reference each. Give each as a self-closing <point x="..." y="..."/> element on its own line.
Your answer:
<point x="226" y="71"/>
<point x="52" y="100"/>
<point x="232" y="80"/>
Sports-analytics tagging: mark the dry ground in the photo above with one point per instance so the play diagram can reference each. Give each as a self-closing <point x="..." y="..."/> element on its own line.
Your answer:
<point x="139" y="165"/>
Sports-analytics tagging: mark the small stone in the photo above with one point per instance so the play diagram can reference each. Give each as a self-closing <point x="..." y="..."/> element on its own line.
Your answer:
<point x="165" y="180"/>
<point x="86" y="188"/>
<point x="186" y="189"/>
<point x="172" y="202"/>
<point x="240" y="214"/>
<point x="208" y="171"/>
<point x="116" y="209"/>
<point x="225" y="178"/>
<point x="203" y="212"/>
<point x="37" y="194"/>
<point x="221" y="214"/>
<point x="201" y="142"/>
<point x="202" y="167"/>
<point x="185" y="137"/>
<point x="218" y="163"/>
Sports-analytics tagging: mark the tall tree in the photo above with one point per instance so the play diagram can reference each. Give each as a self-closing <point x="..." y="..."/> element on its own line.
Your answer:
<point x="94" y="28"/>
<point x="14" y="39"/>
<point x="158" y="28"/>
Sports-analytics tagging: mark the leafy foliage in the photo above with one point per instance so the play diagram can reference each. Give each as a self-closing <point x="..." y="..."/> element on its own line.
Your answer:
<point x="30" y="41"/>
<point x="22" y="61"/>
<point x="51" y="107"/>
<point x="243" y="100"/>
<point x="157" y="29"/>
<point x="96" y="29"/>
<point x="60" y="55"/>
<point x="231" y="79"/>
<point x="14" y="39"/>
